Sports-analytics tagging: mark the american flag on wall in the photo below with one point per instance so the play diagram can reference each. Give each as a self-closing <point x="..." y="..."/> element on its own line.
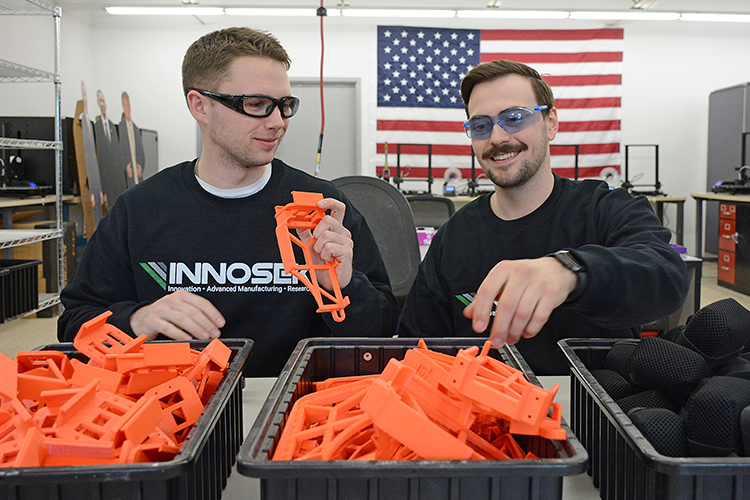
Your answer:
<point x="419" y="72"/>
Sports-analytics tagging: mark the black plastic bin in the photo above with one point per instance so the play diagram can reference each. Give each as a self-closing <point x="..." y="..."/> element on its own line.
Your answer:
<point x="623" y="463"/>
<point x="199" y="472"/>
<point x="19" y="285"/>
<point x="318" y="359"/>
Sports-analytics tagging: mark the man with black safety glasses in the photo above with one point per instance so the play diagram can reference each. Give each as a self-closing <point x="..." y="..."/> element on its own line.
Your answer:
<point x="191" y="252"/>
<point x="542" y="257"/>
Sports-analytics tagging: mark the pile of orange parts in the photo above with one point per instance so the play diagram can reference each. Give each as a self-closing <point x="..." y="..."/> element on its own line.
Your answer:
<point x="131" y="402"/>
<point x="430" y="406"/>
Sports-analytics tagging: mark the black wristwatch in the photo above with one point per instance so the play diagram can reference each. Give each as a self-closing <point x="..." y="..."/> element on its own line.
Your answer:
<point x="566" y="259"/>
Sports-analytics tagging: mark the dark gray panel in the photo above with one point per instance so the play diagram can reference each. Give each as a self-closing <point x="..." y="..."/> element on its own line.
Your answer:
<point x="726" y="114"/>
<point x="151" y="151"/>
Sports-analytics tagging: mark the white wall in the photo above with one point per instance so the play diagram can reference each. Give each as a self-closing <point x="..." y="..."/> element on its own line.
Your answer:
<point x="669" y="71"/>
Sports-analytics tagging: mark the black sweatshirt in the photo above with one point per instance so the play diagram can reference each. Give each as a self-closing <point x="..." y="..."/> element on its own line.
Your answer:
<point x="168" y="233"/>
<point x="633" y="277"/>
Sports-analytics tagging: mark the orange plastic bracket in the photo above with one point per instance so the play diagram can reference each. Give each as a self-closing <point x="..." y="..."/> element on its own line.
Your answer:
<point x="92" y="415"/>
<point x="303" y="213"/>
<point x="99" y="340"/>
<point x="137" y="382"/>
<point x="180" y="404"/>
<point x="208" y="369"/>
<point x="451" y="413"/>
<point x="56" y="361"/>
<point x="84" y="373"/>
<point x="524" y="404"/>
<point x="33" y="382"/>
<point x="167" y="355"/>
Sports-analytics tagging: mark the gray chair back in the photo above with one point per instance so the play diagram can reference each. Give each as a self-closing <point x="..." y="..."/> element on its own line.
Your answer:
<point x="389" y="217"/>
<point x="430" y="211"/>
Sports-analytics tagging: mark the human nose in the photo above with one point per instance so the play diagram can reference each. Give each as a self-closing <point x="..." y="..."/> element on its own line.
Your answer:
<point x="498" y="133"/>
<point x="275" y="120"/>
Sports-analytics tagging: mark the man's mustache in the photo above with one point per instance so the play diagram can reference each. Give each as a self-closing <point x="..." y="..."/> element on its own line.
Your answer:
<point x="504" y="149"/>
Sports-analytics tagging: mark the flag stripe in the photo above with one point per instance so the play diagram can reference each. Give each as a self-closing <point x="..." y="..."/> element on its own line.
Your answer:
<point x="584" y="149"/>
<point x="579" y="80"/>
<point x="422" y="125"/>
<point x="588" y="126"/>
<point x="556" y="58"/>
<point x="613" y="102"/>
<point x="596" y="34"/>
<point x="548" y="46"/>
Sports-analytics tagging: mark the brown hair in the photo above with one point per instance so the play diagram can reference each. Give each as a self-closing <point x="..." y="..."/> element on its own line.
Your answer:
<point x="208" y="59"/>
<point x="493" y="70"/>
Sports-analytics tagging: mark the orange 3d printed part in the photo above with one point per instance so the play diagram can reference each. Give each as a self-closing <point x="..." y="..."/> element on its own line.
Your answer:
<point x="131" y="402"/>
<point x="430" y="406"/>
<point x="304" y="213"/>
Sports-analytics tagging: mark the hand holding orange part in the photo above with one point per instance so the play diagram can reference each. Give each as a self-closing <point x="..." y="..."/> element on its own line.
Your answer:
<point x="305" y="214"/>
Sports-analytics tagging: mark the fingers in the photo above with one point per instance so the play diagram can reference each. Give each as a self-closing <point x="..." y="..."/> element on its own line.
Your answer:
<point x="337" y="208"/>
<point x="333" y="240"/>
<point x="180" y="316"/>
<point x="518" y="297"/>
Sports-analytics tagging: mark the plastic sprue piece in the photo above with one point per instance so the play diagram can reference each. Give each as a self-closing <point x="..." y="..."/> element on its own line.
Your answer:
<point x="304" y="213"/>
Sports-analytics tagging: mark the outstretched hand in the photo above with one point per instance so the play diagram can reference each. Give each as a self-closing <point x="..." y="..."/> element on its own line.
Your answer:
<point x="521" y="295"/>
<point x="180" y="316"/>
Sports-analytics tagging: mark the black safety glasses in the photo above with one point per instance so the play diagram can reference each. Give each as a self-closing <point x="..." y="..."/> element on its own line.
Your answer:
<point x="257" y="106"/>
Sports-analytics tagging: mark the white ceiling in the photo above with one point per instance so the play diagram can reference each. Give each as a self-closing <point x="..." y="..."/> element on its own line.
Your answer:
<point x="95" y="10"/>
<point x="727" y="6"/>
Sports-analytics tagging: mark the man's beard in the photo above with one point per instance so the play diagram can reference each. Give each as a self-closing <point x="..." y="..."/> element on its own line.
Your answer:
<point x="526" y="170"/>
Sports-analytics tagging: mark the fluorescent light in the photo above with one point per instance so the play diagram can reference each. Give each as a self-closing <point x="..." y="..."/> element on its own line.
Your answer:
<point x="716" y="18"/>
<point x="398" y="13"/>
<point x="281" y="12"/>
<point x="512" y="14"/>
<point x="165" y="11"/>
<point x="626" y="15"/>
<point x="629" y="15"/>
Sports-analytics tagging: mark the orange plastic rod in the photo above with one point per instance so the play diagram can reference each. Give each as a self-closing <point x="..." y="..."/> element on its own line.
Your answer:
<point x="303" y="213"/>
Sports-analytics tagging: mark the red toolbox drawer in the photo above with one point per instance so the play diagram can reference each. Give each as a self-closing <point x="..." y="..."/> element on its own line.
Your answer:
<point x="728" y="211"/>
<point x="726" y="267"/>
<point x="727" y="230"/>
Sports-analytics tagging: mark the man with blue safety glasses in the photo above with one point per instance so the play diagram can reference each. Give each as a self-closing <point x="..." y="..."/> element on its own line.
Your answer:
<point x="542" y="257"/>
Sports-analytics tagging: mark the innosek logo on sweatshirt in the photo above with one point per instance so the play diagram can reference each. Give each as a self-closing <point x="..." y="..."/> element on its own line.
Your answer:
<point x="236" y="277"/>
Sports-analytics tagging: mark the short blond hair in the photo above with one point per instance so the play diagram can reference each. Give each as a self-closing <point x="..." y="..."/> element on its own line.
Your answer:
<point x="208" y="59"/>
